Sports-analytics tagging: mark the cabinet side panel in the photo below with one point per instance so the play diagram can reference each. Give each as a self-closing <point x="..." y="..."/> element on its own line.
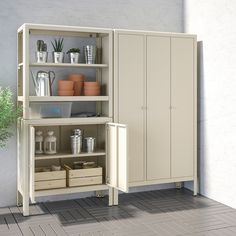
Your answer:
<point x="130" y="76"/>
<point x="158" y="107"/>
<point x="182" y="102"/>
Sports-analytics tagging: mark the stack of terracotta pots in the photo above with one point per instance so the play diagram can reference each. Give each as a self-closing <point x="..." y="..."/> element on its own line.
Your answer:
<point x="65" y="88"/>
<point x="75" y="86"/>
<point x="92" y="89"/>
<point x="78" y="80"/>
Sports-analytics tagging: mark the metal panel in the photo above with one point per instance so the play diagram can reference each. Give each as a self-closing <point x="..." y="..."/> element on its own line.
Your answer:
<point x="130" y="87"/>
<point x="117" y="163"/>
<point x="182" y="104"/>
<point x="158" y="107"/>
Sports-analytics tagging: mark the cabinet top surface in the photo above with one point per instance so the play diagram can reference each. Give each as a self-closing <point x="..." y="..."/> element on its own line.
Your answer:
<point x="68" y="28"/>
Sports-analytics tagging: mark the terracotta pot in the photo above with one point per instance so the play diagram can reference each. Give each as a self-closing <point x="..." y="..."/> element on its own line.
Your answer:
<point x="76" y="77"/>
<point x="78" y="88"/>
<point x="65" y="85"/>
<point x="91" y="84"/>
<point x="65" y="92"/>
<point x="91" y="92"/>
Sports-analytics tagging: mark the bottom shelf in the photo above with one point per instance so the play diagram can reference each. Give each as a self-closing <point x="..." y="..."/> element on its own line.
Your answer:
<point x="68" y="190"/>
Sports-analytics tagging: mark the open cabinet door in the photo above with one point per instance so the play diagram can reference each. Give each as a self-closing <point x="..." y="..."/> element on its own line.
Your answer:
<point x="31" y="162"/>
<point x="117" y="158"/>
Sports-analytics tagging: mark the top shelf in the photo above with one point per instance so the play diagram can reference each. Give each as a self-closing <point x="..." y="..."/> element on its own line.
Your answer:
<point x="67" y="65"/>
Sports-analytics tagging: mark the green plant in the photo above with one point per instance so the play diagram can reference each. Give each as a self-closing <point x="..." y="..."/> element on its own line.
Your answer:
<point x="41" y="46"/>
<point x="8" y="115"/>
<point x="74" y="50"/>
<point x="58" y="44"/>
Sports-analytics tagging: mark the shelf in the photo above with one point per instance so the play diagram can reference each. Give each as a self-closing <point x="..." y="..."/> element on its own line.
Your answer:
<point x="68" y="65"/>
<point x="68" y="155"/>
<point x="68" y="121"/>
<point x="65" y="98"/>
<point x="69" y="190"/>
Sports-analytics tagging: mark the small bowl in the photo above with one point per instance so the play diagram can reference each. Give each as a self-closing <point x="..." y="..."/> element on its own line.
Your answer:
<point x="65" y="85"/>
<point x="65" y="92"/>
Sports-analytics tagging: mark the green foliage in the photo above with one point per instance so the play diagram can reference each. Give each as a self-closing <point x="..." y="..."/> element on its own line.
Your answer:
<point x="8" y="115"/>
<point x="74" y="50"/>
<point x="41" y="46"/>
<point x="58" y="44"/>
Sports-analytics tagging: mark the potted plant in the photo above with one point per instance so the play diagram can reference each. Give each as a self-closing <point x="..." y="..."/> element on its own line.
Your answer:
<point x="58" y="55"/>
<point x="74" y="55"/>
<point x="41" y="54"/>
<point x="8" y="115"/>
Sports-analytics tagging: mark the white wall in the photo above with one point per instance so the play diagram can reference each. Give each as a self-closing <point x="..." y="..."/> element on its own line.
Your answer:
<point x="214" y="21"/>
<point x="160" y="15"/>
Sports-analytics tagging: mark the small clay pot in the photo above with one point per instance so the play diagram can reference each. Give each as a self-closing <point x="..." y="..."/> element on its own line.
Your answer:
<point x="91" y="92"/>
<point x="78" y="88"/>
<point x="65" y="92"/>
<point x="65" y="85"/>
<point x="91" y="84"/>
<point x="76" y="77"/>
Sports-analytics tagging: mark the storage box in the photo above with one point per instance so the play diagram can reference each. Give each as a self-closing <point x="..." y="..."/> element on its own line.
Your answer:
<point x="50" y="110"/>
<point x="50" y="180"/>
<point x="83" y="177"/>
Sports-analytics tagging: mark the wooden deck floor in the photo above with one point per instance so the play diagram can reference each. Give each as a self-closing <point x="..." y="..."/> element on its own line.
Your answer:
<point x="153" y="213"/>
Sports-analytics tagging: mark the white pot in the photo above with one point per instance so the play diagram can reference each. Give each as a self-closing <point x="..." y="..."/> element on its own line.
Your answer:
<point x="58" y="57"/>
<point x="74" y="57"/>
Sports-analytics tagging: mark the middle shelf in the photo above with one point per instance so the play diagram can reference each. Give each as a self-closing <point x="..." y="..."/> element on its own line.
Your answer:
<point x="65" y="98"/>
<point x="69" y="155"/>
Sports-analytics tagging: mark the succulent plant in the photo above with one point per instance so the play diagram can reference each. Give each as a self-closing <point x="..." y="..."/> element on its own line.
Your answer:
<point x="74" y="50"/>
<point x="41" y="46"/>
<point x="58" y="44"/>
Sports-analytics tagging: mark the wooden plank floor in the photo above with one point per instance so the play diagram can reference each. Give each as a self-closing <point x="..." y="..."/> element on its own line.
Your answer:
<point x="153" y="213"/>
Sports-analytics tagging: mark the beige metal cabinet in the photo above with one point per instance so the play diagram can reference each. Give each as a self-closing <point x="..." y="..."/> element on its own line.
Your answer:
<point x="157" y="99"/>
<point x="158" y="107"/>
<point x="130" y="65"/>
<point x="182" y="107"/>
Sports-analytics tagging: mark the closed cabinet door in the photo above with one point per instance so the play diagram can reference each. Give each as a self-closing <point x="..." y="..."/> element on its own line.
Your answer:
<point x="182" y="104"/>
<point x="158" y="107"/>
<point x="130" y="86"/>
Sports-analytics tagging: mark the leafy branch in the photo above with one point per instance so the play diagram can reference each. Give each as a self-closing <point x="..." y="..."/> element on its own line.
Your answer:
<point x="8" y="115"/>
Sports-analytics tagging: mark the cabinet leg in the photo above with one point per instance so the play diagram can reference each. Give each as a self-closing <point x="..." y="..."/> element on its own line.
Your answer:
<point x="110" y="196"/>
<point x="115" y="197"/>
<point x="19" y="199"/>
<point x="25" y="205"/>
<point x="195" y="187"/>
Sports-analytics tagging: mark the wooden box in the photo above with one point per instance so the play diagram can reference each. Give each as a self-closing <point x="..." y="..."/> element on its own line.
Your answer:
<point x="50" y="180"/>
<point x="83" y="177"/>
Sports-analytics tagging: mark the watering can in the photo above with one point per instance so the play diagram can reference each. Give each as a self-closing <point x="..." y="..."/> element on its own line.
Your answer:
<point x="43" y="82"/>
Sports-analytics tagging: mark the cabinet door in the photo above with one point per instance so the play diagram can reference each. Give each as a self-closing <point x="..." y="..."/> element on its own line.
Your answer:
<point x="117" y="163"/>
<point x="31" y="162"/>
<point x="130" y="87"/>
<point x="158" y="107"/>
<point x="182" y="103"/>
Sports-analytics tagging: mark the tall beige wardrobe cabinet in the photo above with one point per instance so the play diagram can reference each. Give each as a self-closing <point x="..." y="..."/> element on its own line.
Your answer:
<point x="156" y="96"/>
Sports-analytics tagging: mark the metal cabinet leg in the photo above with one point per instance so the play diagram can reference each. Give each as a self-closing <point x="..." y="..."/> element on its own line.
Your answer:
<point x="195" y="187"/>
<point x="115" y="197"/>
<point x="19" y="200"/>
<point x="110" y="196"/>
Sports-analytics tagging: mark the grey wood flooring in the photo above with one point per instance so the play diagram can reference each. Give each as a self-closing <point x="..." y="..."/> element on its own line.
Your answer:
<point x="153" y="213"/>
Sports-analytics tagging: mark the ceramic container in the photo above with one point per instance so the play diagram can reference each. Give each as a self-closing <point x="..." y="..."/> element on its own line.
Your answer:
<point x="91" y="84"/>
<point x="78" y="88"/>
<point x="65" y="85"/>
<point x="91" y="92"/>
<point x="65" y="92"/>
<point x="76" y="77"/>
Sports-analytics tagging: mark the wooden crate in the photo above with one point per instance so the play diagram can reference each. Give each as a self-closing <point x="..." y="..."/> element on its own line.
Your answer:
<point x="83" y="177"/>
<point x="50" y="180"/>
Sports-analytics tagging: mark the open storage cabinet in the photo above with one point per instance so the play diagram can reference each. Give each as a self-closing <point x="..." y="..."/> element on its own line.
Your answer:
<point x="110" y="155"/>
